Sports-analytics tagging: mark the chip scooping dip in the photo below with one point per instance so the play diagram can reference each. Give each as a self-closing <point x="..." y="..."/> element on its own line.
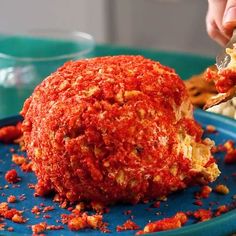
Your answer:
<point x="115" y="129"/>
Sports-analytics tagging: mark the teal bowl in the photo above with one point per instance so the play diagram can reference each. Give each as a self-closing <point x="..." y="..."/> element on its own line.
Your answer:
<point x="25" y="60"/>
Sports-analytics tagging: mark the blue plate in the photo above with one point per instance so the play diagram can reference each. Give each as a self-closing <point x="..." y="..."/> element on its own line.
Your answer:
<point x="143" y="213"/>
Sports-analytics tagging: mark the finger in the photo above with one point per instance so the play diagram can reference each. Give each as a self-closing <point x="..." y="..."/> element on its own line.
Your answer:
<point x="217" y="36"/>
<point x="229" y="19"/>
<point x="214" y="32"/>
<point x="216" y="10"/>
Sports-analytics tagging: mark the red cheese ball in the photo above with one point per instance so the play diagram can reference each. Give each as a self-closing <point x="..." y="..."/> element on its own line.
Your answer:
<point x="114" y="129"/>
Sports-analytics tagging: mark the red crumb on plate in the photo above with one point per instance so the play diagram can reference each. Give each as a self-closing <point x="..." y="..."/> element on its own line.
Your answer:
<point x="48" y="208"/>
<point x="77" y="223"/>
<point x="10" y="133"/>
<point x="11" y="214"/>
<point x="46" y="216"/>
<point x="31" y="186"/>
<point x="18" y="159"/>
<point x="202" y="214"/>
<point x="230" y="157"/>
<point x="36" y="210"/>
<point x="2" y="225"/>
<point x="18" y="218"/>
<point x="221" y="209"/>
<point x="54" y="227"/>
<point x="229" y="146"/>
<point x="11" y="176"/>
<point x="127" y="212"/>
<point x="224" y="79"/>
<point x="27" y="167"/>
<point x="211" y="129"/>
<point x="204" y="192"/>
<point x="11" y="199"/>
<point x="39" y="228"/>
<point x="198" y="202"/>
<point x="80" y="221"/>
<point x="128" y="225"/>
<point x="174" y="222"/>
<point x="221" y="189"/>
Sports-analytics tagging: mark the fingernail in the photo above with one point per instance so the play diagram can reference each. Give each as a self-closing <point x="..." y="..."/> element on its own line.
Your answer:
<point x="230" y="15"/>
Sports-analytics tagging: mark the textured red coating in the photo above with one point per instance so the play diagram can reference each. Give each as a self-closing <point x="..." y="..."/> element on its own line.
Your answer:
<point x="105" y="130"/>
<point x="11" y="199"/>
<point x="11" y="176"/>
<point x="11" y="213"/>
<point x="10" y="133"/>
<point x="128" y="225"/>
<point x="224" y="79"/>
<point x="174" y="222"/>
<point x="203" y="214"/>
<point x="204" y="192"/>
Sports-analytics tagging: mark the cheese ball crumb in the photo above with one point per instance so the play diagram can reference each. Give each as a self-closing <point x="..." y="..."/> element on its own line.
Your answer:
<point x="221" y="189"/>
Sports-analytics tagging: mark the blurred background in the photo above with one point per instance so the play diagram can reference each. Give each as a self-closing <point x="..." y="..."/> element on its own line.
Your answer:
<point x="173" y="25"/>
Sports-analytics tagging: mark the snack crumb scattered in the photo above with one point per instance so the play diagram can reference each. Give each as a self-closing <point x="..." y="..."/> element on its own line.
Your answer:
<point x="203" y="214"/>
<point x="10" y="133"/>
<point x="221" y="189"/>
<point x="211" y="129"/>
<point x="174" y="222"/>
<point x="11" y="176"/>
<point x="11" y="199"/>
<point x="128" y="225"/>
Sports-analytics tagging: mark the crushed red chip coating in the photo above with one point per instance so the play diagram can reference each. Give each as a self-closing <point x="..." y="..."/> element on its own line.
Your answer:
<point x="48" y="208"/>
<point x="229" y="146"/>
<point x="39" y="228"/>
<point x="221" y="189"/>
<point x="2" y="225"/>
<point x="174" y="222"/>
<point x="11" y="176"/>
<point x="203" y="214"/>
<point x="18" y="219"/>
<point x="230" y="157"/>
<point x="78" y="221"/>
<point x="18" y="159"/>
<point x="211" y="128"/>
<point x="224" y="79"/>
<point x="54" y="227"/>
<point x="10" y="133"/>
<point x="221" y="209"/>
<point x="11" y="213"/>
<point x="11" y="199"/>
<point x="36" y="210"/>
<point x="204" y="192"/>
<point x="27" y="166"/>
<point x="46" y="216"/>
<point x="128" y="225"/>
<point x="198" y="202"/>
<point x="114" y="129"/>
<point x="84" y="221"/>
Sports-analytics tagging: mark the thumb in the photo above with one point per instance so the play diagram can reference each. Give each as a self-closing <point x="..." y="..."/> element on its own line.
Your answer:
<point x="229" y="19"/>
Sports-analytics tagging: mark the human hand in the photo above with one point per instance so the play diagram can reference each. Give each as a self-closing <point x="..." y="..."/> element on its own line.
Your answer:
<point x="221" y="20"/>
